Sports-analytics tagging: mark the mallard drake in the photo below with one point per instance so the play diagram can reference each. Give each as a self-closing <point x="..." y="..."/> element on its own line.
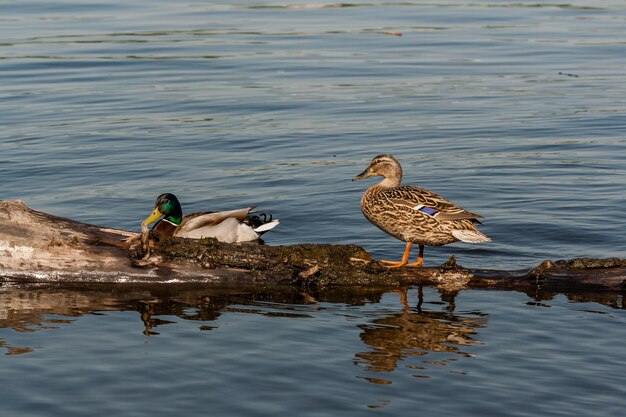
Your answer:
<point x="414" y="214"/>
<point x="227" y="226"/>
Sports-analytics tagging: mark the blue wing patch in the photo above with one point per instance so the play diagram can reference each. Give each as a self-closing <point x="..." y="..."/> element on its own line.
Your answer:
<point x="428" y="210"/>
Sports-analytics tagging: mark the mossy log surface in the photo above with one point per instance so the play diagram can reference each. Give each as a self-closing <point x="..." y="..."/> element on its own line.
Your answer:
<point x="36" y="246"/>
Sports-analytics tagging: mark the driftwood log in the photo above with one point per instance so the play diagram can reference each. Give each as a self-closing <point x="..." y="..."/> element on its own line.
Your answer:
<point x="38" y="247"/>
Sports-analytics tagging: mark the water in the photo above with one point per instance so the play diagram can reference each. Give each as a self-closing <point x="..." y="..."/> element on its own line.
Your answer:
<point x="514" y="110"/>
<point x="197" y="351"/>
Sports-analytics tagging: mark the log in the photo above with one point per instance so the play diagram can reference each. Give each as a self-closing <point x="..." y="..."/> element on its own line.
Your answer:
<point x="39" y="247"/>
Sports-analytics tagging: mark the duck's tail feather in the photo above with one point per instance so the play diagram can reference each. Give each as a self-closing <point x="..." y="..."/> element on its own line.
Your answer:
<point x="266" y="226"/>
<point x="470" y="236"/>
<point x="261" y="222"/>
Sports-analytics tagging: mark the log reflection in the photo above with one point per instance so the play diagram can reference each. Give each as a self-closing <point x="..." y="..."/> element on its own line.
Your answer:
<point x="414" y="330"/>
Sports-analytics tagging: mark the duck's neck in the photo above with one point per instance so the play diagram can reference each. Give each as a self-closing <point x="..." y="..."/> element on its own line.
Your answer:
<point x="390" y="182"/>
<point x="175" y="215"/>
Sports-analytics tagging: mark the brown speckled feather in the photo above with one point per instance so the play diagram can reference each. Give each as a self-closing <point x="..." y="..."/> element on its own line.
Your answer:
<point x="411" y="196"/>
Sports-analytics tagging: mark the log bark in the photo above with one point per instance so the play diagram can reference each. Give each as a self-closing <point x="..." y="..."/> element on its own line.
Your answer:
<point x="36" y="246"/>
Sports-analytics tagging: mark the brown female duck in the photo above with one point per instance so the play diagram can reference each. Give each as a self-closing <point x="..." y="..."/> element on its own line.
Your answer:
<point x="413" y="214"/>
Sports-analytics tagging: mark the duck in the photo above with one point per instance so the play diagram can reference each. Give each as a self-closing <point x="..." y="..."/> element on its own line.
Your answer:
<point x="414" y="214"/>
<point x="233" y="226"/>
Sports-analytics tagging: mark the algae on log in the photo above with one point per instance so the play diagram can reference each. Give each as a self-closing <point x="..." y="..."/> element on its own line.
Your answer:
<point x="327" y="264"/>
<point x="36" y="246"/>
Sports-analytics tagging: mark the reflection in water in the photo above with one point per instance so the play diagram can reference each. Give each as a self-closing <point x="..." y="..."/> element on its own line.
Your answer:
<point x="391" y="336"/>
<point x="147" y="310"/>
<point x="14" y="350"/>
<point x="416" y="332"/>
<point x="26" y="308"/>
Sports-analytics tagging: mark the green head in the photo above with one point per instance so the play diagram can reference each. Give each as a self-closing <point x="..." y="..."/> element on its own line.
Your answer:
<point x="166" y="205"/>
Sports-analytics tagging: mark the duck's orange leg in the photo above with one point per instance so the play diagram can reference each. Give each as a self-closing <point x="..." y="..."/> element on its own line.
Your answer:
<point x="403" y="299"/>
<point x="420" y="258"/>
<point x="405" y="258"/>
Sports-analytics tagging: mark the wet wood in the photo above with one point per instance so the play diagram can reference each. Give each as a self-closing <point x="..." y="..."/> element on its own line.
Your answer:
<point x="36" y="246"/>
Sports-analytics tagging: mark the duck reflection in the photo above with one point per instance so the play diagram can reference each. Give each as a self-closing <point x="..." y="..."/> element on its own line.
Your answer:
<point x="416" y="332"/>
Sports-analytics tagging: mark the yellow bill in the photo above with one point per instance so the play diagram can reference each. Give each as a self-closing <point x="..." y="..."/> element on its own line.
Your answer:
<point x="153" y="216"/>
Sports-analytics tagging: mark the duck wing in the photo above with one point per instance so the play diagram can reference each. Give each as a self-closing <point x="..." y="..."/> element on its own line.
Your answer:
<point x="428" y="202"/>
<point x="202" y="219"/>
<point x="230" y="230"/>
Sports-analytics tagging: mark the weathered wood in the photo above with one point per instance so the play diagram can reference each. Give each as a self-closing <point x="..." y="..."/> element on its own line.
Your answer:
<point x="36" y="246"/>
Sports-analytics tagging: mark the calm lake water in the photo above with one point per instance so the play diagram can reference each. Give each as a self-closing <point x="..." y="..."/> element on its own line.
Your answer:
<point x="512" y="109"/>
